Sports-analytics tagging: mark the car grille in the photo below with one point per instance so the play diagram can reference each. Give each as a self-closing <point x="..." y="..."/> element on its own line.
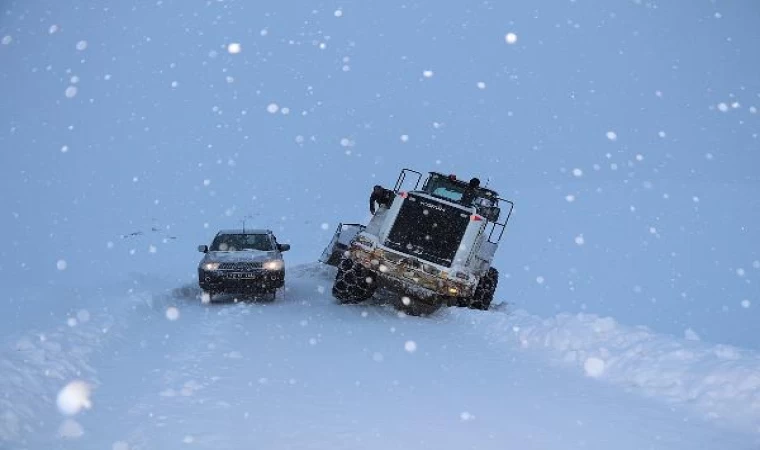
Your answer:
<point x="428" y="230"/>
<point x="240" y="266"/>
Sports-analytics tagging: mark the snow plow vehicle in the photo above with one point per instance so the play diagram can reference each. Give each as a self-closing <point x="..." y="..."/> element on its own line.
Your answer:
<point x="431" y="247"/>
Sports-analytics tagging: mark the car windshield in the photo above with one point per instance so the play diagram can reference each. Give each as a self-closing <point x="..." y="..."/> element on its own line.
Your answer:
<point x="241" y="242"/>
<point x="444" y="188"/>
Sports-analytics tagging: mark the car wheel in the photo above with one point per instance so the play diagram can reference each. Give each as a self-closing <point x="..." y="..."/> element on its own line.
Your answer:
<point x="351" y="283"/>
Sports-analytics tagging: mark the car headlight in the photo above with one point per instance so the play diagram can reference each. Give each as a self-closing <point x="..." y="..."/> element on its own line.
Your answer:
<point x="273" y="265"/>
<point x="211" y="266"/>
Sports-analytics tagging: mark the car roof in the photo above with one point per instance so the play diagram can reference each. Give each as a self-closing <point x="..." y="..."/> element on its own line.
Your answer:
<point x="245" y="231"/>
<point x="465" y="182"/>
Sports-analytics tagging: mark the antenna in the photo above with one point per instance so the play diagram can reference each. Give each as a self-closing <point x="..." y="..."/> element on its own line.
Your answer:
<point x="246" y="217"/>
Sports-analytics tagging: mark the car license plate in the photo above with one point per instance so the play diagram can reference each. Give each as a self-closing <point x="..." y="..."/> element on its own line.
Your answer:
<point x="241" y="275"/>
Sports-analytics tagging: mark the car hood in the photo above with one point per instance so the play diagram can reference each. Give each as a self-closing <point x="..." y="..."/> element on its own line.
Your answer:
<point x="243" y="256"/>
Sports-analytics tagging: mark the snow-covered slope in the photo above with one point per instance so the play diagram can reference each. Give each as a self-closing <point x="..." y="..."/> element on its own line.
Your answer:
<point x="302" y="372"/>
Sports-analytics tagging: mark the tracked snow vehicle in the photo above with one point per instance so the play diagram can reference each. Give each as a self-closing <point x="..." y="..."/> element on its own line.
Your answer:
<point x="432" y="247"/>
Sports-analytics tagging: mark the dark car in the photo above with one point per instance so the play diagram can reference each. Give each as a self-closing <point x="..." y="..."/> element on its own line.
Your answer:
<point x="242" y="262"/>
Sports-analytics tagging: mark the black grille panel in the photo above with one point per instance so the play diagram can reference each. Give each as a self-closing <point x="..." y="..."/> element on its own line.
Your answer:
<point x="240" y="266"/>
<point x="428" y="230"/>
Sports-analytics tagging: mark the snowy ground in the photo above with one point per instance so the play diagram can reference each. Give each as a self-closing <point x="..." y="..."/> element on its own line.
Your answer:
<point x="302" y="372"/>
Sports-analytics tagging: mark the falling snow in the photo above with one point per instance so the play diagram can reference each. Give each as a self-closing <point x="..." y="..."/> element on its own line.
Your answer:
<point x="594" y="367"/>
<point x="120" y="326"/>
<point x="172" y="313"/>
<point x="74" y="397"/>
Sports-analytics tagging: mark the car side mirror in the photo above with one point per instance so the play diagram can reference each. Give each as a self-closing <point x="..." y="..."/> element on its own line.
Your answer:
<point x="203" y="248"/>
<point x="283" y="247"/>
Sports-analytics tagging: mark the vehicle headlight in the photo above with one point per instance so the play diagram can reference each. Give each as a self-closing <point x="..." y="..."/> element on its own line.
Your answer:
<point x="273" y="265"/>
<point x="211" y="266"/>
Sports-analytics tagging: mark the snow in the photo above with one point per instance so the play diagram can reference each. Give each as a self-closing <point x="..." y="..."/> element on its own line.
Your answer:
<point x="70" y="429"/>
<point x="594" y="367"/>
<point x="172" y="313"/>
<point x="626" y="314"/>
<point x="74" y="397"/>
<point x="83" y="316"/>
<point x="307" y="363"/>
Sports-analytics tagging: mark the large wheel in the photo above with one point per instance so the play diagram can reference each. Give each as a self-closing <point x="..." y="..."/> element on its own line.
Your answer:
<point x="353" y="283"/>
<point x="484" y="292"/>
